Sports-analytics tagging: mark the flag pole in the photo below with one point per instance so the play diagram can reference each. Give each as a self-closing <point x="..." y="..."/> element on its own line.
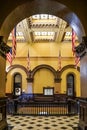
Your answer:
<point x="29" y="84"/>
<point x="59" y="61"/>
<point x="73" y="41"/>
<point x="28" y="61"/>
<point x="28" y="65"/>
<point x="14" y="44"/>
<point x="11" y="55"/>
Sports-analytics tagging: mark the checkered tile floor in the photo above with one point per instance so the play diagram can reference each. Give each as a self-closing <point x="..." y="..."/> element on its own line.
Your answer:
<point x="42" y="122"/>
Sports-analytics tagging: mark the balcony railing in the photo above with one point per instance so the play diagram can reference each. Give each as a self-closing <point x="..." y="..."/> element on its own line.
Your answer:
<point x="69" y="107"/>
<point x="83" y="114"/>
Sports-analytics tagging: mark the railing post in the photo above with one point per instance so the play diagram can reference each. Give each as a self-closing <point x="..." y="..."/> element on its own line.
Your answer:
<point x="69" y="106"/>
<point x="78" y="106"/>
<point x="83" y="115"/>
<point x="15" y="106"/>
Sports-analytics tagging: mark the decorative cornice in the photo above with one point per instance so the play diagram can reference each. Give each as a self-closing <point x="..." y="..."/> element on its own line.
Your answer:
<point x="45" y="57"/>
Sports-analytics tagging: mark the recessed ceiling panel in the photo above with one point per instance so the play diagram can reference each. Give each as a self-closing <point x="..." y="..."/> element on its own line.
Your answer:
<point x="43" y="27"/>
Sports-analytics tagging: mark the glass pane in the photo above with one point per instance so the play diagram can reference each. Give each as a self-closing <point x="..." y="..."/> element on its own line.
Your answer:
<point x="70" y="85"/>
<point x="17" y="78"/>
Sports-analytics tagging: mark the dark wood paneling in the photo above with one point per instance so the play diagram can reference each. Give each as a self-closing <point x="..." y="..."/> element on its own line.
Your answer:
<point x="83" y="73"/>
<point x="3" y="122"/>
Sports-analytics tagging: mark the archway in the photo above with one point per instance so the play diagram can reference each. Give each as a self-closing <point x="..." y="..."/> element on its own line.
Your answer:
<point x="16" y="66"/>
<point x="13" y="15"/>
<point x="61" y="10"/>
<point x="17" y="84"/>
<point x="43" y="66"/>
<point x="70" y="85"/>
<point x="43" y="76"/>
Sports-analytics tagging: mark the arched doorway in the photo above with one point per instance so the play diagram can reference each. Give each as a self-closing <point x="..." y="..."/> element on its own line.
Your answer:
<point x="17" y="84"/>
<point x="57" y="8"/>
<point x="70" y="85"/>
<point x="14" y="15"/>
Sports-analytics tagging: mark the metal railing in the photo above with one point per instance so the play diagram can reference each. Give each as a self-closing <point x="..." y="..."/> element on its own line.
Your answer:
<point x="69" y="107"/>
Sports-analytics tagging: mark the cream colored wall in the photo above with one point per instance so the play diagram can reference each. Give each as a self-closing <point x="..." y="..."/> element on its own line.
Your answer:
<point x="43" y="53"/>
<point x="43" y="78"/>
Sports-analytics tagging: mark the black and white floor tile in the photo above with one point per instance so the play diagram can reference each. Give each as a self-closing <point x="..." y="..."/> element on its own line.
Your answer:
<point x="42" y="122"/>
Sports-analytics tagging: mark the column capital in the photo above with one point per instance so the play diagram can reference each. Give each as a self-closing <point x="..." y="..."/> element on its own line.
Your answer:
<point x="29" y="80"/>
<point x="57" y="80"/>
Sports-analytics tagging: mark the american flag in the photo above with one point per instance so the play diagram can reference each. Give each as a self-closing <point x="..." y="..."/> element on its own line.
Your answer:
<point x="77" y="59"/>
<point x="59" y="61"/>
<point x="28" y="61"/>
<point x="14" y="43"/>
<point x="73" y="41"/>
<point x="9" y="56"/>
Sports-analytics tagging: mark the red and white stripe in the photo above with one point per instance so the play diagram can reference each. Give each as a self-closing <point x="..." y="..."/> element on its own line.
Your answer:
<point x="9" y="57"/>
<point x="14" y="43"/>
<point x="77" y="59"/>
<point x="28" y="61"/>
<point x="73" y="41"/>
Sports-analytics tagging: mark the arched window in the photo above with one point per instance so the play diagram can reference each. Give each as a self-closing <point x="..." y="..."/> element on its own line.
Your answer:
<point x="70" y="85"/>
<point x="17" y="84"/>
